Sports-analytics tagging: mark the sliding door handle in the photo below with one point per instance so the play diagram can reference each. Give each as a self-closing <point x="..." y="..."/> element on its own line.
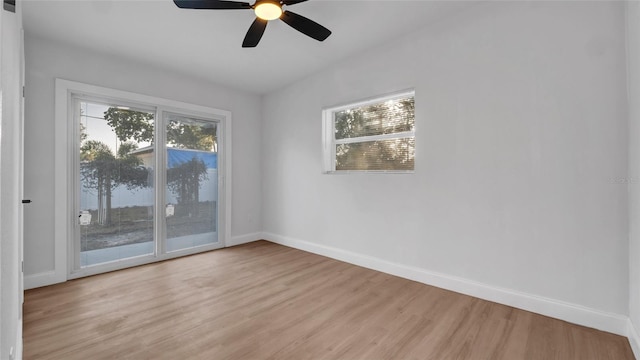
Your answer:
<point x="26" y="201"/>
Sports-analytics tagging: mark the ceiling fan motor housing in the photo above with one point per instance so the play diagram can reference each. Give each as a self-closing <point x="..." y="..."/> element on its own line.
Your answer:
<point x="268" y="9"/>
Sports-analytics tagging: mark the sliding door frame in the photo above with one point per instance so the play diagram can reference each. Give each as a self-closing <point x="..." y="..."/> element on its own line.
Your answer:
<point x="66" y="180"/>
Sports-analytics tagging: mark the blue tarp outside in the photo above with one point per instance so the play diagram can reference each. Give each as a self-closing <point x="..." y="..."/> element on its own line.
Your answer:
<point x="175" y="157"/>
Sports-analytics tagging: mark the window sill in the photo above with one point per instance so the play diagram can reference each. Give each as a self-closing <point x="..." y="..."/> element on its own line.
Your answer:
<point x="350" y="172"/>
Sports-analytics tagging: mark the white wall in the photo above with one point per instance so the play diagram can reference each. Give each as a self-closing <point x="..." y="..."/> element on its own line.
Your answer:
<point x="521" y="167"/>
<point x="10" y="129"/>
<point x="521" y="127"/>
<point x="633" y="63"/>
<point x="47" y="60"/>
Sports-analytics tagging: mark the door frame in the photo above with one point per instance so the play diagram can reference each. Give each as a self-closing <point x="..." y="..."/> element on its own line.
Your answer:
<point x="66" y="147"/>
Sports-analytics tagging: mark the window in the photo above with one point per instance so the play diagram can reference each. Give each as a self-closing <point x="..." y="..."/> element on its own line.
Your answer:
<point x="371" y="136"/>
<point x="138" y="179"/>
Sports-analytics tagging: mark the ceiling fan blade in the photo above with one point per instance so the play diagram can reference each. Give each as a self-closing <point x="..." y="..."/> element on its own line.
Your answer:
<point x="256" y="30"/>
<point x="292" y="2"/>
<point x="211" y="4"/>
<point x="305" y="26"/>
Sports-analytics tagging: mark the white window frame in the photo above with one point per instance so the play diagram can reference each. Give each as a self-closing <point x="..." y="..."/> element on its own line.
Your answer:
<point x="329" y="141"/>
<point x="66" y="148"/>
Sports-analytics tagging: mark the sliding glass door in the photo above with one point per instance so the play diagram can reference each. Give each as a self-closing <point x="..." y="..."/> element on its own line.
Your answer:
<point x="191" y="182"/>
<point x="147" y="183"/>
<point x="116" y="184"/>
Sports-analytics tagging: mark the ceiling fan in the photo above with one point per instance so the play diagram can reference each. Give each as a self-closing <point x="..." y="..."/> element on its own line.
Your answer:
<point x="265" y="10"/>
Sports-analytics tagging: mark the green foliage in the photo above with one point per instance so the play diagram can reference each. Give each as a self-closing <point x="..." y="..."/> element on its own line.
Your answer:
<point x="125" y="149"/>
<point x="93" y="150"/>
<point x="100" y="169"/>
<point x="103" y="170"/>
<point x="138" y="125"/>
<point x="83" y="132"/>
<point x="130" y="124"/>
<point x="394" y="154"/>
<point x="184" y="180"/>
<point x="196" y="137"/>
<point x="100" y="165"/>
<point x="378" y="119"/>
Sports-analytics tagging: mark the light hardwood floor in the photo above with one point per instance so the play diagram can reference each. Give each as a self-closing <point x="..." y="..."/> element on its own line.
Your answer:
<point x="266" y="301"/>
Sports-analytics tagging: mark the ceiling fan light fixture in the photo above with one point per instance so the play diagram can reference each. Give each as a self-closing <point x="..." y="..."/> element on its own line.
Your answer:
<point x="265" y="10"/>
<point x="268" y="10"/>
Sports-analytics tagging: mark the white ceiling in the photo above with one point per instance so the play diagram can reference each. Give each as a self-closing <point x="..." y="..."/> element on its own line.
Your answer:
<point x="207" y="43"/>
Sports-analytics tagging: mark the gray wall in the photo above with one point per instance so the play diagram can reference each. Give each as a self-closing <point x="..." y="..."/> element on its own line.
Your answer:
<point x="523" y="162"/>
<point x="521" y="142"/>
<point x="47" y="60"/>
<point x="633" y="51"/>
<point x="10" y="207"/>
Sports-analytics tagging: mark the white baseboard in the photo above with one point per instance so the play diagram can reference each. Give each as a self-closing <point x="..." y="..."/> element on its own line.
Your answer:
<point x="634" y="339"/>
<point x="574" y="313"/>
<point x="19" y="343"/>
<point x="243" y="239"/>
<point x="42" y="279"/>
